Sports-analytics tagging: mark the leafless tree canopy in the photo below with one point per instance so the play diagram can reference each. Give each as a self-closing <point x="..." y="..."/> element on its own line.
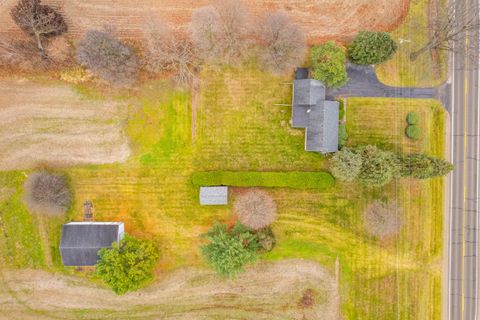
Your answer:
<point x="382" y="219"/>
<point x="284" y="42"/>
<point x="168" y="52"/>
<point x="255" y="209"/>
<point x="47" y="193"/>
<point x="449" y="28"/>
<point x="219" y="31"/>
<point x="108" y="57"/>
<point x="39" y="21"/>
<point x="15" y="52"/>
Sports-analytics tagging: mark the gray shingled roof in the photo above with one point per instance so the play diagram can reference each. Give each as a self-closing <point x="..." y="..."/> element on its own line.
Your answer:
<point x="308" y="92"/>
<point x="211" y="196"/>
<point x="81" y="241"/>
<point x="330" y="123"/>
<point x="319" y="117"/>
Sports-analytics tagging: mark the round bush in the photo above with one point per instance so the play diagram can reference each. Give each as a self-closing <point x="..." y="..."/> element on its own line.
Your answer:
<point x="413" y="132"/>
<point x="266" y="239"/>
<point x="413" y="118"/>
<point x="47" y="193"/>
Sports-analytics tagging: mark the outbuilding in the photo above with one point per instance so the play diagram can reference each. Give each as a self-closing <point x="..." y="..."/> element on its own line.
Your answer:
<point x="213" y="196"/>
<point x="81" y="241"/>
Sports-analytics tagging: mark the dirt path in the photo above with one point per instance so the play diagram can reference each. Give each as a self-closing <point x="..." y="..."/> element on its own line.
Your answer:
<point x="266" y="291"/>
<point x="321" y="19"/>
<point x="52" y="124"/>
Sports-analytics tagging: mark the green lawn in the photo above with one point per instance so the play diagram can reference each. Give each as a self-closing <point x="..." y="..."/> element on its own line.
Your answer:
<point x="239" y="128"/>
<point x="400" y="70"/>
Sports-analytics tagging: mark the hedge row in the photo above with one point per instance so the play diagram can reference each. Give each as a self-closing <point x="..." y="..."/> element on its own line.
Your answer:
<point x="296" y="180"/>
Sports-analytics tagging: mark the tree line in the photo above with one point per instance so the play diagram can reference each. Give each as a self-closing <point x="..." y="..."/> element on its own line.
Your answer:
<point x="376" y="167"/>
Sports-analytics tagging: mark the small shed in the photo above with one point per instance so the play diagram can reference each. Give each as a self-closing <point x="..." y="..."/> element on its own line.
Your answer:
<point x="213" y="196"/>
<point x="81" y="241"/>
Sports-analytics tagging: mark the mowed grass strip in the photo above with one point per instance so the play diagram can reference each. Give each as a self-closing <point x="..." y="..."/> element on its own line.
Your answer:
<point x="382" y="122"/>
<point x="294" y="180"/>
<point x="411" y="36"/>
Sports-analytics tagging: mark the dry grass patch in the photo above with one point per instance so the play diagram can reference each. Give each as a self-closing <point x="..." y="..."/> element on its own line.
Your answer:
<point x="266" y="291"/>
<point x="52" y="124"/>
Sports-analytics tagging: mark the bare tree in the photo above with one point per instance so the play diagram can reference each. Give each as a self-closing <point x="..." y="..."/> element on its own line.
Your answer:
<point x="449" y="28"/>
<point x="39" y="21"/>
<point x="255" y="209"/>
<point x="108" y="57"/>
<point x="168" y="52"/>
<point x="47" y="193"/>
<point x="13" y="52"/>
<point x="284" y="43"/>
<point x="220" y="31"/>
<point x="382" y="219"/>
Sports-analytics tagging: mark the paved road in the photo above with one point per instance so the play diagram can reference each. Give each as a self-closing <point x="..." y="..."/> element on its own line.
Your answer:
<point x="363" y="82"/>
<point x="463" y="212"/>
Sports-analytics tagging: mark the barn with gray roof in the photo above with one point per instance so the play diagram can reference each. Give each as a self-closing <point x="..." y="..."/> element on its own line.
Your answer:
<point x="81" y="241"/>
<point x="318" y="116"/>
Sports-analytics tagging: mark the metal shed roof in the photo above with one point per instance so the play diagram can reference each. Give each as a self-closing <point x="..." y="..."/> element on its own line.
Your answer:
<point x="213" y="196"/>
<point x="81" y="241"/>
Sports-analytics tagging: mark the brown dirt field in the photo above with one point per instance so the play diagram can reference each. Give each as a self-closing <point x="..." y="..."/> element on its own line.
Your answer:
<point x="321" y="19"/>
<point x="44" y="124"/>
<point x="265" y="291"/>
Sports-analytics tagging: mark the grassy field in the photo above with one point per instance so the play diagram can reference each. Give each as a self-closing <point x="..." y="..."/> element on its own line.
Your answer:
<point x="239" y="128"/>
<point x="400" y="70"/>
<point x="368" y="121"/>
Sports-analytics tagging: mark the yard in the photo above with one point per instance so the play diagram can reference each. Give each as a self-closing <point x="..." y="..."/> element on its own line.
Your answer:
<point x="411" y="36"/>
<point x="238" y="127"/>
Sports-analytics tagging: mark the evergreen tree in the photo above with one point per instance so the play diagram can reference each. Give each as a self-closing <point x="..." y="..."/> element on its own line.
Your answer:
<point x="370" y="47"/>
<point x="379" y="167"/>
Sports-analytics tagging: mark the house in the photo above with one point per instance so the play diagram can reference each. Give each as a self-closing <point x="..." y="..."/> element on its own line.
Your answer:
<point x="318" y="116"/>
<point x="212" y="196"/>
<point x="81" y="241"/>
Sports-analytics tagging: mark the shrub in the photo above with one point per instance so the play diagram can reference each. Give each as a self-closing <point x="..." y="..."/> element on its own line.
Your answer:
<point x="381" y="219"/>
<point x="371" y="47"/>
<point x="341" y="109"/>
<point x="328" y="64"/>
<point x="412" y="132"/>
<point x="413" y="118"/>
<point x="76" y="75"/>
<point x="107" y="57"/>
<point x="342" y="136"/>
<point x="421" y="166"/>
<point x="47" y="193"/>
<point x="255" y="209"/>
<point x="378" y="166"/>
<point x="127" y="266"/>
<point x="308" y="299"/>
<point x="296" y="180"/>
<point x="266" y="239"/>
<point x="346" y="165"/>
<point x="230" y="250"/>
